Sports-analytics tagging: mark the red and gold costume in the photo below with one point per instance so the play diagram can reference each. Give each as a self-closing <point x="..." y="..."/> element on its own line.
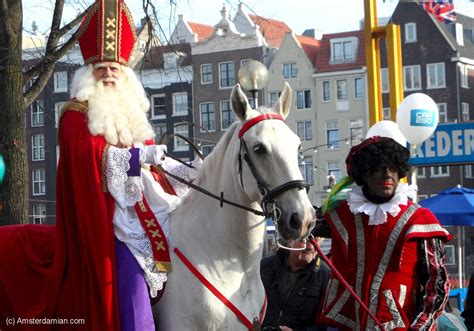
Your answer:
<point x="397" y="269"/>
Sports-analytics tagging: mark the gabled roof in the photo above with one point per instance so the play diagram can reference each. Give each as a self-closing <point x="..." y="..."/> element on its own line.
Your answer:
<point x="310" y="46"/>
<point x="202" y="30"/>
<point x="467" y="50"/>
<point x="323" y="61"/>
<point x="272" y="30"/>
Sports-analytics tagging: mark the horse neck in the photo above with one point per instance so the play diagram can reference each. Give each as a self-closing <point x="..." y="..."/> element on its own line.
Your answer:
<point x="216" y="233"/>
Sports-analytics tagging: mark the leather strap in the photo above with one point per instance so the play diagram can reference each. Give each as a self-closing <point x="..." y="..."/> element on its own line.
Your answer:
<point x="220" y="296"/>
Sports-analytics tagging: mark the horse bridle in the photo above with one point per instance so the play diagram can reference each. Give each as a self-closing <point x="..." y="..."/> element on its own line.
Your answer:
<point x="269" y="195"/>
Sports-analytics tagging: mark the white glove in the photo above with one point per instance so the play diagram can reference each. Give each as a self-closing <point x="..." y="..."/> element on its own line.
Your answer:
<point x="153" y="154"/>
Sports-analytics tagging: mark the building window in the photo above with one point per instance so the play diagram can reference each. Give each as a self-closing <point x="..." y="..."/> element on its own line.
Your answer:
<point x="386" y="113"/>
<point x="450" y="255"/>
<point x="358" y="88"/>
<point x="170" y="60"/>
<point x="39" y="182"/>
<point x="158" y="106"/>
<point x="160" y="130"/>
<point x="341" y="89"/>
<point x="385" y="82"/>
<point x="468" y="171"/>
<point x="273" y="96"/>
<point x="226" y="74"/>
<point x="356" y="130"/>
<point x="304" y="130"/>
<point x="410" y="32"/>
<point x="435" y="76"/>
<point x="303" y="99"/>
<point x="207" y="149"/>
<point x="464" y="75"/>
<point x="60" y="81"/>
<point x="206" y="73"/>
<point x="251" y="102"/>
<point x="181" y="144"/>
<point x="342" y="51"/>
<point x="227" y="115"/>
<point x="37" y="113"/>
<point x="334" y="169"/>
<point x="37" y="147"/>
<point x="290" y="70"/>
<point x="421" y="172"/>
<point x="443" y="113"/>
<point x="180" y="104"/>
<point x="465" y="111"/>
<point x="39" y="214"/>
<point x="332" y="134"/>
<point x="306" y="168"/>
<point x="208" y="116"/>
<point x="326" y="91"/>
<point x="412" y="78"/>
<point x="440" y="171"/>
<point x="58" y="106"/>
<point x="244" y="62"/>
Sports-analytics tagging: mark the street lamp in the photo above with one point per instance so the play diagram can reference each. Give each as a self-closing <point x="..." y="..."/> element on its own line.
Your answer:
<point x="253" y="76"/>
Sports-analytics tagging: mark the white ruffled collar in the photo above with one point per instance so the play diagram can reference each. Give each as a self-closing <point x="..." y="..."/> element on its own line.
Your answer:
<point x="377" y="213"/>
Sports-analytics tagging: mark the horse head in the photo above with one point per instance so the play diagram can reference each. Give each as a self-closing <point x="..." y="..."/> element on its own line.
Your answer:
<point x="269" y="170"/>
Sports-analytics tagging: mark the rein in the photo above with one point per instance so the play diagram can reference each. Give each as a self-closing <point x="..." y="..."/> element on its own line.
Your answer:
<point x="345" y="283"/>
<point x="257" y="322"/>
<point x="221" y="198"/>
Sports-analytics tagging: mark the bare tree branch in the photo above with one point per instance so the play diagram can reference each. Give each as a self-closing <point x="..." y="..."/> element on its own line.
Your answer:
<point x="52" y="54"/>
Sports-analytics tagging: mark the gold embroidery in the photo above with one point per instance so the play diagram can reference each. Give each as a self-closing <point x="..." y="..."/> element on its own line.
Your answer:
<point x="150" y="222"/>
<point x="142" y="206"/>
<point x="109" y="34"/>
<point x="105" y="154"/>
<point x="155" y="233"/>
<point x="160" y="246"/>
<point x="109" y="46"/>
<point x="110" y="22"/>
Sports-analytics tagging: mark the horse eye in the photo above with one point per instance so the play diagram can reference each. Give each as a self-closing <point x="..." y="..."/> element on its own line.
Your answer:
<point x="259" y="149"/>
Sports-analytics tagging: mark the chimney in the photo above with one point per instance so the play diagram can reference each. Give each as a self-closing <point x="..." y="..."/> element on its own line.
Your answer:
<point x="309" y="33"/>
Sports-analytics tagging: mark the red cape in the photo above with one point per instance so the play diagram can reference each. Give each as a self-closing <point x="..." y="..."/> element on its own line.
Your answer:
<point x="66" y="271"/>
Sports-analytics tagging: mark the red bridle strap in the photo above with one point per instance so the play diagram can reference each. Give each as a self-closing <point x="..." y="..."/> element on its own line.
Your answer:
<point x="221" y="296"/>
<point x="257" y="119"/>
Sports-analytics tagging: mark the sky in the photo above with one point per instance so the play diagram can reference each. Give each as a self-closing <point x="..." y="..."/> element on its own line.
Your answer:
<point x="327" y="16"/>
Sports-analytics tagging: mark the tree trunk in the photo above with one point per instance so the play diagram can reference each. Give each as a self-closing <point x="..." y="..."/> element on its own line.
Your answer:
<point x="15" y="188"/>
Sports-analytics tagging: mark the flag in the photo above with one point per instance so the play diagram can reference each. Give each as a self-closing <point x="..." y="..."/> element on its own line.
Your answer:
<point x="442" y="10"/>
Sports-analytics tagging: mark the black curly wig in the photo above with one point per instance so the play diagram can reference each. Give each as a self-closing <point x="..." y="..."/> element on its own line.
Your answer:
<point x="381" y="151"/>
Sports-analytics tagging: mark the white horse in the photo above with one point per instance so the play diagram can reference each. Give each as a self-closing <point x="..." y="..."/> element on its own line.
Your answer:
<point x="225" y="244"/>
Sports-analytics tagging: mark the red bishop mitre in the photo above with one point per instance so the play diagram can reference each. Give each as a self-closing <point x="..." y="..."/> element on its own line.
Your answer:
<point x="107" y="33"/>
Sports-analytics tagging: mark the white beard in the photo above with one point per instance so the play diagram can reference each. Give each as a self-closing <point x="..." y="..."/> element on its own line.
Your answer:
<point x="118" y="113"/>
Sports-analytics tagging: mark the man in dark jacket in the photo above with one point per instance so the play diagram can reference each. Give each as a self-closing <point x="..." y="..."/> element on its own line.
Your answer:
<point x="295" y="281"/>
<point x="468" y="313"/>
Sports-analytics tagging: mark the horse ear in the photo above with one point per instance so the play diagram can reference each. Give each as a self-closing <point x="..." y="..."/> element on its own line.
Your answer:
<point x="283" y="104"/>
<point x="240" y="103"/>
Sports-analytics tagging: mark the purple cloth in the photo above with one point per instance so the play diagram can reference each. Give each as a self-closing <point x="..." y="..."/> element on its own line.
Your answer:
<point x="134" y="163"/>
<point x="133" y="297"/>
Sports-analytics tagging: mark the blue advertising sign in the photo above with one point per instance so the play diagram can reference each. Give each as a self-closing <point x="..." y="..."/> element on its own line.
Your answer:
<point x="422" y="117"/>
<point x="451" y="143"/>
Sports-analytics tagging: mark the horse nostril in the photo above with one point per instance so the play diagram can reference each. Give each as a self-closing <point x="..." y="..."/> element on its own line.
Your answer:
<point x="295" y="221"/>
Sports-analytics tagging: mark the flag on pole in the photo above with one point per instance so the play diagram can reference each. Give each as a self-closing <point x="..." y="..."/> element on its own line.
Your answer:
<point x="442" y="10"/>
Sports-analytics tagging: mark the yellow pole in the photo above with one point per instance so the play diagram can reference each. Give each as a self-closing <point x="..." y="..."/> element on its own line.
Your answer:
<point x="394" y="55"/>
<point x="372" y="57"/>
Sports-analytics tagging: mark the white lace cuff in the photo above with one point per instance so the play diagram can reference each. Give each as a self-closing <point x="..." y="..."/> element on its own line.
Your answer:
<point x="127" y="191"/>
